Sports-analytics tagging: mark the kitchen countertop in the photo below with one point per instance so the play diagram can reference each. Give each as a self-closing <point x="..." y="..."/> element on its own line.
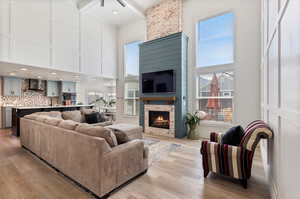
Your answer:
<point x="39" y="107"/>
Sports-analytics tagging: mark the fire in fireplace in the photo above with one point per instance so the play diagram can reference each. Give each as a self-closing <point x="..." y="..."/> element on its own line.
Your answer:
<point x="159" y="119"/>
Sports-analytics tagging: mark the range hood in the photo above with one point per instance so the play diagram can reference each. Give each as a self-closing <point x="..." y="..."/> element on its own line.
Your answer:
<point x="36" y="85"/>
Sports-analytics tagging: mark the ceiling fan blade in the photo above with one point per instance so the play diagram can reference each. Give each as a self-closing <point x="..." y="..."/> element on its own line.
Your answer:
<point x="102" y="3"/>
<point x="121" y="3"/>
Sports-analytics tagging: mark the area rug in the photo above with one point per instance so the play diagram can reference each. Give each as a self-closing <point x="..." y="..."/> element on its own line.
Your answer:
<point x="159" y="149"/>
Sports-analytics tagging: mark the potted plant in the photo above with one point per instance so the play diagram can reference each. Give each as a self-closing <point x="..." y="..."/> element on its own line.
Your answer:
<point x="192" y="121"/>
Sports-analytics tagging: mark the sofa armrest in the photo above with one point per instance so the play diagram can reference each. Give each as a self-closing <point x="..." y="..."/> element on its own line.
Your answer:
<point x="223" y="159"/>
<point x="124" y="162"/>
<point x="216" y="137"/>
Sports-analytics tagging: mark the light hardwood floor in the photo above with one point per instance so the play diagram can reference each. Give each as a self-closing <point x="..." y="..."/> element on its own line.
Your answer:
<point x="177" y="176"/>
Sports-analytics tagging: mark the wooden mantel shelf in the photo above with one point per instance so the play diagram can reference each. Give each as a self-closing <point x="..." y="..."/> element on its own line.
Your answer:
<point x="158" y="98"/>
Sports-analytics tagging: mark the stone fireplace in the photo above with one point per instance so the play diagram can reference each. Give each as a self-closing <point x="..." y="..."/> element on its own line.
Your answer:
<point x="160" y="120"/>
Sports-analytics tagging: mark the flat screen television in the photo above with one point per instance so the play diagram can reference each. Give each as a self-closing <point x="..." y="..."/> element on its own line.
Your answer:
<point x="159" y="82"/>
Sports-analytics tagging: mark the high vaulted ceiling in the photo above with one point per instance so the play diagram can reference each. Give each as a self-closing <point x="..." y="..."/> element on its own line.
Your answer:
<point x="113" y="12"/>
<point x="145" y="4"/>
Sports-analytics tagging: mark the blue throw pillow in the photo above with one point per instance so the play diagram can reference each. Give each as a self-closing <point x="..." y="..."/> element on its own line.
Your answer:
<point x="233" y="136"/>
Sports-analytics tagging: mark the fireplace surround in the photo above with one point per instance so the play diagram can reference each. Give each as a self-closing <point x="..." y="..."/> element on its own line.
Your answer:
<point x="160" y="120"/>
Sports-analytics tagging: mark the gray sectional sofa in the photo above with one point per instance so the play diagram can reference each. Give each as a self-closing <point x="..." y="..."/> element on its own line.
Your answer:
<point x="89" y="155"/>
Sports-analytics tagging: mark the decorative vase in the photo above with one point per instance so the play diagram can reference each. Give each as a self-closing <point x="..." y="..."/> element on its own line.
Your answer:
<point x="192" y="132"/>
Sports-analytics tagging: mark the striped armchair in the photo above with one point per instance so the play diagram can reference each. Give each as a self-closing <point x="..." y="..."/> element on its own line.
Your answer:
<point x="234" y="161"/>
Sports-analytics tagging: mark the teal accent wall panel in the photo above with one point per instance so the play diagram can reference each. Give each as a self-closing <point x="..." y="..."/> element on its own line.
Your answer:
<point x="167" y="53"/>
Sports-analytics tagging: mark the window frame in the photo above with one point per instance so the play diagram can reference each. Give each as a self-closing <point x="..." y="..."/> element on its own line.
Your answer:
<point x="204" y="70"/>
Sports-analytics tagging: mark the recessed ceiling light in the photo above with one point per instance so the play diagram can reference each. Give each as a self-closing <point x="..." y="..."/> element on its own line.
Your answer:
<point x="39" y="77"/>
<point x="76" y="76"/>
<point x="12" y="74"/>
<point x="61" y="79"/>
<point x="115" y="12"/>
<point x="53" y="73"/>
<point x="24" y="69"/>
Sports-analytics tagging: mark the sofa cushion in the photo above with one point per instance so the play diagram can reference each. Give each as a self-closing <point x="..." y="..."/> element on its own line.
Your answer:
<point x="55" y="114"/>
<point x="121" y="136"/>
<point x="41" y="118"/>
<point x="233" y="136"/>
<point x="32" y="116"/>
<point x="52" y="121"/>
<point x="85" y="111"/>
<point x="72" y="115"/>
<point x="68" y="124"/>
<point x="98" y="131"/>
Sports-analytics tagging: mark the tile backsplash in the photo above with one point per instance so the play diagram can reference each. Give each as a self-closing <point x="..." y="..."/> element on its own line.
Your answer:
<point x="28" y="98"/>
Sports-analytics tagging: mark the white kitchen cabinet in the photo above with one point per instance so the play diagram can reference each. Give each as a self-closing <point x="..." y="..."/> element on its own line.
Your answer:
<point x="8" y="117"/>
<point x="30" y="32"/>
<point x="52" y="89"/>
<point x="4" y="17"/>
<point x="109" y="51"/>
<point x="66" y="12"/>
<point x="69" y="87"/>
<point x="91" y="36"/>
<point x="65" y="48"/>
<point x="54" y="34"/>
<point x="65" y="31"/>
<point x="12" y="86"/>
<point x="4" y="48"/>
<point x="4" y="30"/>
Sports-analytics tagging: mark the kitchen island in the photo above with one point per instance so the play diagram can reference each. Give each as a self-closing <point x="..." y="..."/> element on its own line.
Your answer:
<point x="18" y="112"/>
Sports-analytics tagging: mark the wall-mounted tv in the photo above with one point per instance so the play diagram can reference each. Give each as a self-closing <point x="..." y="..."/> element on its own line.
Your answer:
<point x="159" y="82"/>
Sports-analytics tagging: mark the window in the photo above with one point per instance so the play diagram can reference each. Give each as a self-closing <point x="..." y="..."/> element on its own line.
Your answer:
<point x="93" y="96"/>
<point x="215" y="95"/>
<point x="131" y="94"/>
<point x="215" y="41"/>
<point x="131" y="98"/>
<point x="215" y="82"/>
<point x="98" y="97"/>
<point x="132" y="59"/>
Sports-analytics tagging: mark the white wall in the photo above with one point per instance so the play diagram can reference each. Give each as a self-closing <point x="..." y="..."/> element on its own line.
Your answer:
<point x="281" y="95"/>
<point x="247" y="54"/>
<point x="135" y="31"/>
